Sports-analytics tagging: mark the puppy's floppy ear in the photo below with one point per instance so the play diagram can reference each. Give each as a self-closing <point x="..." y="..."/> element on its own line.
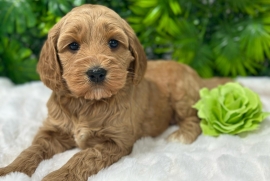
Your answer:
<point x="140" y="61"/>
<point x="49" y="66"/>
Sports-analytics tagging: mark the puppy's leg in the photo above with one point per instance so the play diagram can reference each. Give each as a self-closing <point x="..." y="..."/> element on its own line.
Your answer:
<point x="47" y="142"/>
<point x="187" y="120"/>
<point x="88" y="162"/>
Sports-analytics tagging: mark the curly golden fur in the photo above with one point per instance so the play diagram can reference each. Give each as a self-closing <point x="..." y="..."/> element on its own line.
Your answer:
<point x="136" y="99"/>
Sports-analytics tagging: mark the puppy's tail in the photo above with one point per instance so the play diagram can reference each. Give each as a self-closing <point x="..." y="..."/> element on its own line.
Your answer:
<point x="214" y="82"/>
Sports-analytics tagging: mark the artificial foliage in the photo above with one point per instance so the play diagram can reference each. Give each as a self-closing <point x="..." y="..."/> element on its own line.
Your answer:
<point x="24" y="28"/>
<point x="216" y="37"/>
<point x="229" y="109"/>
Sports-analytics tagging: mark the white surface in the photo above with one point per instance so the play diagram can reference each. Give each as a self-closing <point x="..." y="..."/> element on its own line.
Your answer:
<point x="234" y="158"/>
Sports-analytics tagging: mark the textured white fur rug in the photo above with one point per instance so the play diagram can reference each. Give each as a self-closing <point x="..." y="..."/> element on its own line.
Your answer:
<point x="22" y="109"/>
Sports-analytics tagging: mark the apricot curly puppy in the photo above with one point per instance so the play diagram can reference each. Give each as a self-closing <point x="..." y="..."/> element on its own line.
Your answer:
<point x="105" y="95"/>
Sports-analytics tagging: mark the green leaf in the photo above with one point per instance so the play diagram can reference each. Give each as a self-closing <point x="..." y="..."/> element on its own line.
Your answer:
<point x="79" y="2"/>
<point x="231" y="58"/>
<point x="164" y="23"/>
<point x="153" y="15"/>
<point x="20" y="66"/>
<point x="135" y="20"/>
<point x="138" y="11"/>
<point x="175" y="6"/>
<point x="17" y="12"/>
<point x="255" y="40"/>
<point x="65" y="6"/>
<point x="146" y="3"/>
<point x="203" y="61"/>
<point x="25" y="53"/>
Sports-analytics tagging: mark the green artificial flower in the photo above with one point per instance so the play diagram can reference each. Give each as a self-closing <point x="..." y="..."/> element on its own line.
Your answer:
<point x="229" y="109"/>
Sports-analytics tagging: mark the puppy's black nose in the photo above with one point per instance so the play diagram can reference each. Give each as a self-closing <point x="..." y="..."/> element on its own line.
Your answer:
<point x="96" y="75"/>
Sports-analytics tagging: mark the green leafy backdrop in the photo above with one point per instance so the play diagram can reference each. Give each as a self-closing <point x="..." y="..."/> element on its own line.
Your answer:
<point x="215" y="37"/>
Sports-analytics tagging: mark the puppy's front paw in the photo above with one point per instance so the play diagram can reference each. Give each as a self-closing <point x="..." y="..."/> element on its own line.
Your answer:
<point x="2" y="172"/>
<point x="81" y="136"/>
<point x="61" y="175"/>
<point x="6" y="170"/>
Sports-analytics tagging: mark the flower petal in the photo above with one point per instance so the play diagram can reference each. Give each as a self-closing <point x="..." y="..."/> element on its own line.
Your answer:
<point x="229" y="109"/>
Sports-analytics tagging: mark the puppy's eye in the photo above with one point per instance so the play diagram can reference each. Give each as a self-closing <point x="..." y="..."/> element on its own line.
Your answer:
<point x="74" y="46"/>
<point x="113" y="43"/>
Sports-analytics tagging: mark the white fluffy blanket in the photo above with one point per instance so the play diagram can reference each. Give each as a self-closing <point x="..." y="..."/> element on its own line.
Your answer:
<point x="234" y="158"/>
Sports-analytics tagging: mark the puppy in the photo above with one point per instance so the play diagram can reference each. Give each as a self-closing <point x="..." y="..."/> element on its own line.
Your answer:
<point x="106" y="95"/>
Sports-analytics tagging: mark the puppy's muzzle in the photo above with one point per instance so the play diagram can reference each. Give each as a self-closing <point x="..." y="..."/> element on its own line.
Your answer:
<point x="96" y="75"/>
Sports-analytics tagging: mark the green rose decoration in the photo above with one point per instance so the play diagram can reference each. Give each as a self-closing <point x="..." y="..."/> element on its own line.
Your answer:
<point x="229" y="109"/>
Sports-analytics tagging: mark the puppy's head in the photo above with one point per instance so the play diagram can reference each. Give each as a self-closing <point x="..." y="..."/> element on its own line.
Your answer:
<point x="91" y="52"/>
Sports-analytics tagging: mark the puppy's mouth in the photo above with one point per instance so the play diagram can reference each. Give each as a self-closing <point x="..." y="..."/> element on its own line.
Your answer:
<point x="98" y="93"/>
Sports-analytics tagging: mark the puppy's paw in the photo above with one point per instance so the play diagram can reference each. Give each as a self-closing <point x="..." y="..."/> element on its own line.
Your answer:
<point x="6" y="170"/>
<point x="2" y="172"/>
<point x="81" y="135"/>
<point x="182" y="137"/>
<point x="61" y="175"/>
